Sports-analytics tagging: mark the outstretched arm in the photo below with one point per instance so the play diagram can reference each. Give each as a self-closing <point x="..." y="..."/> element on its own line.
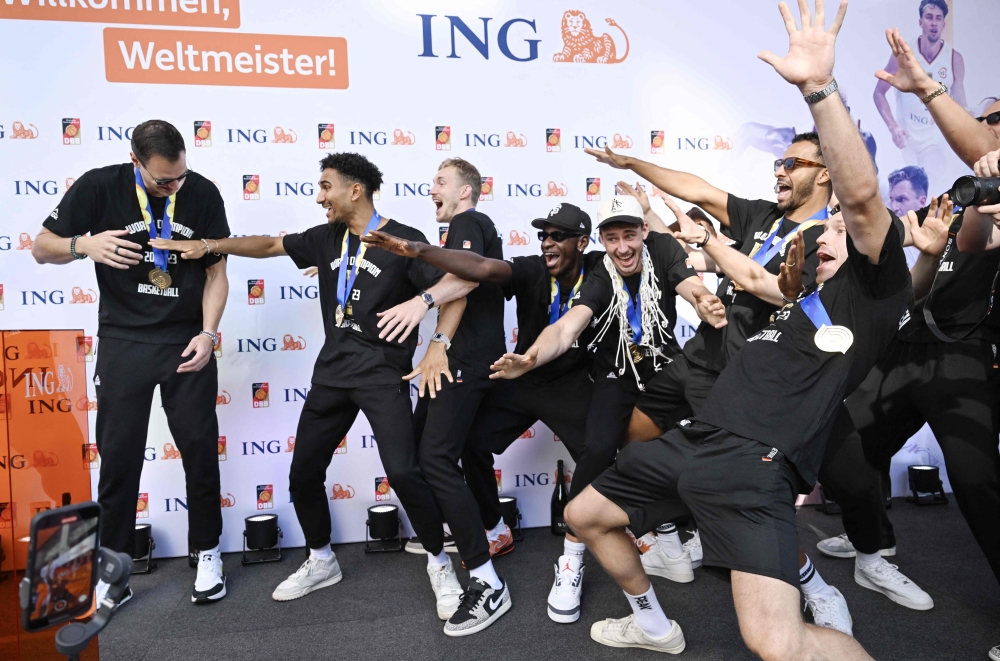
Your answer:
<point x="553" y="342"/>
<point x="809" y="66"/>
<point x="684" y="185"/>
<point x="465" y="264"/>
<point x="258" y="247"/>
<point x="967" y="137"/>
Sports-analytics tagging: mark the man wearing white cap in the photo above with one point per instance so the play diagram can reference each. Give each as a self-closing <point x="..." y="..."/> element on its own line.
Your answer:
<point x="630" y="301"/>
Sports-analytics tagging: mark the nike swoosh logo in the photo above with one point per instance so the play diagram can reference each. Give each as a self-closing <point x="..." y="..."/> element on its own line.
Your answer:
<point x="494" y="604"/>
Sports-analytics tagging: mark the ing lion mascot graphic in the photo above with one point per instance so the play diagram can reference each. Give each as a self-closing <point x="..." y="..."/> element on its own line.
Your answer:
<point x="580" y="44"/>
<point x="291" y="344"/>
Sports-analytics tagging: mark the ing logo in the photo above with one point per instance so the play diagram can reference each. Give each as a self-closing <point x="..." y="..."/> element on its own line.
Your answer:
<point x="223" y="399"/>
<point x="528" y="433"/>
<point x="20" y="132"/>
<point x="514" y="141"/>
<point x="290" y="445"/>
<point x="77" y="295"/>
<point x="403" y="139"/>
<point x="170" y="452"/>
<point x="291" y="344"/>
<point x="284" y="137"/>
<point x="25" y="242"/>
<point x="342" y="493"/>
<point x="581" y="45"/>
<point x="722" y="144"/>
<point x="229" y="500"/>
<point x="621" y="142"/>
<point x="518" y="239"/>
<point x="556" y="190"/>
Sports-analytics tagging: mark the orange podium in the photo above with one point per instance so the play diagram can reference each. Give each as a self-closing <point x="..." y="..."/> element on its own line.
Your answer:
<point x="45" y="460"/>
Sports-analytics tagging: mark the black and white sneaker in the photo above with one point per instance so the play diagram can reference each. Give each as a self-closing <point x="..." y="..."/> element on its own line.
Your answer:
<point x="210" y="584"/>
<point x="481" y="606"/>
<point x="414" y="546"/>
<point x="101" y="591"/>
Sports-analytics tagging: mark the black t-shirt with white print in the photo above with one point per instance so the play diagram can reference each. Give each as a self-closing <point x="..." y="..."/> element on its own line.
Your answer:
<point x="782" y="390"/>
<point x="353" y="355"/>
<point x="671" y="267"/>
<point x="961" y="297"/>
<point x="531" y="283"/>
<point x="749" y="224"/>
<point x="479" y="340"/>
<point x="131" y="307"/>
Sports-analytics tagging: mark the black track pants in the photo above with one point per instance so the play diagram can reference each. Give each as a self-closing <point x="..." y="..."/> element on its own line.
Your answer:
<point x="607" y="420"/>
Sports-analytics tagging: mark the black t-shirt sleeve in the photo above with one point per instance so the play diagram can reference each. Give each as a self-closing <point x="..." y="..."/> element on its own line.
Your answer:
<point x="890" y="275"/>
<point x="214" y="216"/>
<point x="79" y="209"/>
<point x="464" y="233"/>
<point x="596" y="292"/>
<point x="678" y="268"/>
<point x="743" y="215"/>
<point x="523" y="276"/>
<point x="305" y="247"/>
<point x="421" y="274"/>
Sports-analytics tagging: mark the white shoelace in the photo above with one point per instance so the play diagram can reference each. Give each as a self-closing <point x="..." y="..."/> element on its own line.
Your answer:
<point x="824" y="610"/>
<point x="306" y="567"/>
<point x="567" y="580"/>
<point x="693" y="542"/>
<point x="891" y="573"/>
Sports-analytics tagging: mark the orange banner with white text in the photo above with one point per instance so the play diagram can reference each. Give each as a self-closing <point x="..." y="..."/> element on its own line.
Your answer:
<point x="192" y="13"/>
<point x="174" y="57"/>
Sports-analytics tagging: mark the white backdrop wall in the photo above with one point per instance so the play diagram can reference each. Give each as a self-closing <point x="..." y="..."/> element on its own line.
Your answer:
<point x="401" y="70"/>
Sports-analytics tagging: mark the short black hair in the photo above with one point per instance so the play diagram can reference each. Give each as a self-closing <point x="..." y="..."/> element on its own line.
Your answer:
<point x="812" y="137"/>
<point x="156" y="137"/>
<point x="355" y="168"/>
<point x="913" y="174"/>
<point x="940" y="4"/>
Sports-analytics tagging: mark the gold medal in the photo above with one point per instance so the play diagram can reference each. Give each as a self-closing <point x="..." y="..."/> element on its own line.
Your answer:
<point x="160" y="278"/>
<point x="338" y="316"/>
<point x="636" y="352"/>
<point x="834" y="339"/>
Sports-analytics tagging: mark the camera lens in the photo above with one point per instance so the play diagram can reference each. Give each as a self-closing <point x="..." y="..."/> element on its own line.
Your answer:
<point x="972" y="191"/>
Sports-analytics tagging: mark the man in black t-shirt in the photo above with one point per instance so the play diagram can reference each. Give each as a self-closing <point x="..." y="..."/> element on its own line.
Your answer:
<point x="158" y="321"/>
<point x="356" y="370"/>
<point x="628" y="302"/>
<point x="759" y="438"/>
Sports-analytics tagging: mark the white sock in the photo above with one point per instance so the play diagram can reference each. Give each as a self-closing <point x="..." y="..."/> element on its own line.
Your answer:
<point x="669" y="540"/>
<point x="487" y="574"/>
<point x="323" y="553"/>
<point x="215" y="552"/>
<point x="493" y="534"/>
<point x="574" y="548"/>
<point x="439" y="559"/>
<point x="867" y="560"/>
<point x="811" y="582"/>
<point x="648" y="614"/>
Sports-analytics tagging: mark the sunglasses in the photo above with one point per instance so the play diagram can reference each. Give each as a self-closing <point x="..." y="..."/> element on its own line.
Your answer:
<point x="166" y="182"/>
<point x="791" y="163"/>
<point x="557" y="236"/>
<point x="992" y="119"/>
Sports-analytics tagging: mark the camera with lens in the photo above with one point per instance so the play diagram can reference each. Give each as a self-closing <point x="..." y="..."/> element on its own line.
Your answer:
<point x="972" y="191"/>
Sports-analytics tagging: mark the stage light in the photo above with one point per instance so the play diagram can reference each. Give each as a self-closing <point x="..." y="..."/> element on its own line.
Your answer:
<point x="261" y="533"/>
<point x="144" y="545"/>
<point x="383" y="527"/>
<point x="511" y="516"/>
<point x="925" y="485"/>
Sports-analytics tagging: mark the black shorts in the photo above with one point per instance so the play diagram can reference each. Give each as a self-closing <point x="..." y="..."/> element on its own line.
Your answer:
<point x="741" y="492"/>
<point x="676" y="392"/>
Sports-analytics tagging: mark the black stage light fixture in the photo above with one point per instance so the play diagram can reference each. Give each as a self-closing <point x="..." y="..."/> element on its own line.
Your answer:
<point x="383" y="528"/>
<point x="925" y="485"/>
<point x="261" y="534"/>
<point x="144" y="545"/>
<point x="511" y="516"/>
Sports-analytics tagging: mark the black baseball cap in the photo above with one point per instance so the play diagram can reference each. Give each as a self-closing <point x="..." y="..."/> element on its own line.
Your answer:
<point x="567" y="216"/>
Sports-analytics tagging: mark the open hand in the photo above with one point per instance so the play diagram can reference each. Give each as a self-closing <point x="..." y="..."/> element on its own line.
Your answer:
<point x="900" y="137"/>
<point x="790" y="277"/>
<point x="608" y="157"/>
<point x="513" y="365"/>
<point x="910" y="77"/>
<point x="402" y="319"/>
<point x="690" y="231"/>
<point x="390" y="243"/>
<point x="202" y="347"/>
<point x="932" y="236"/>
<point x="809" y="61"/>
<point x="638" y="193"/>
<point x="187" y="249"/>
<point x="431" y="368"/>
<point x="107" y="248"/>
<point x="711" y="310"/>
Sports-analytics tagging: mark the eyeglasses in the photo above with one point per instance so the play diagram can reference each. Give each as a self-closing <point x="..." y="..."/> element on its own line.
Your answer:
<point x="557" y="236"/>
<point x="992" y="119"/>
<point x="791" y="163"/>
<point x="166" y="182"/>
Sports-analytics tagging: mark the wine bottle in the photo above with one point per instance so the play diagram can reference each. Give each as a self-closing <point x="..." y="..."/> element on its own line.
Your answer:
<point x="560" y="496"/>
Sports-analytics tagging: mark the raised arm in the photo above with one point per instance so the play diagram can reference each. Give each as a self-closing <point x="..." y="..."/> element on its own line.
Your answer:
<point x="465" y="264"/>
<point x="967" y="137"/>
<point x="809" y="66"/>
<point x="553" y="342"/>
<point x="930" y="238"/>
<point x="684" y="185"/>
<point x="258" y="247"/>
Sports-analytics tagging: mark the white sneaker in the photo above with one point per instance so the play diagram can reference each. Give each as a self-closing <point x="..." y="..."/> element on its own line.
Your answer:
<point x="656" y="562"/>
<point x="447" y="590"/>
<point x="415" y="547"/>
<point x="564" y="597"/>
<point x="210" y="584"/>
<point x="830" y="612"/>
<point x="995" y="653"/>
<point x="312" y="575"/>
<point x="693" y="547"/>
<point x="626" y="633"/>
<point x="481" y="606"/>
<point x="841" y="547"/>
<point x="101" y="591"/>
<point x="887" y="579"/>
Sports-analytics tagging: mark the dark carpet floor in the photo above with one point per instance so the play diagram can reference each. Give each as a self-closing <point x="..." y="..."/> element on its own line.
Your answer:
<point x="384" y="608"/>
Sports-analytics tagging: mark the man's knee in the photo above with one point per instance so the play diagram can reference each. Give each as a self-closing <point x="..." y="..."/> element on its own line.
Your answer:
<point x="590" y="511"/>
<point x="771" y="647"/>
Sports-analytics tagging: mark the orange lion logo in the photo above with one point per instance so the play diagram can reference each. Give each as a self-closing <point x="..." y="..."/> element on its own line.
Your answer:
<point x="78" y="296"/>
<point x="86" y="404"/>
<point x="224" y="398"/>
<point x="18" y="132"/>
<point x="291" y="344"/>
<point x="227" y="502"/>
<point x="518" y="239"/>
<point x="291" y="444"/>
<point x="528" y="433"/>
<point x="170" y="452"/>
<point x="25" y="242"/>
<point x="621" y="143"/>
<point x="580" y="44"/>
<point x="722" y="143"/>
<point x="557" y="190"/>
<point x="34" y="351"/>
<point x="399" y="138"/>
<point x="286" y="138"/>
<point x="343" y="493"/>
<point x="514" y="141"/>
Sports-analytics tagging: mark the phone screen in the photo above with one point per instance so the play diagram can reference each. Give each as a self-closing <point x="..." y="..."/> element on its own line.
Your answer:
<point x="63" y="557"/>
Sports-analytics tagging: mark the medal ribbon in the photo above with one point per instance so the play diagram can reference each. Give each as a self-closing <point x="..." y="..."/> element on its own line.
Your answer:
<point x="557" y="310"/>
<point x="634" y="311"/>
<point x="160" y="257"/>
<point x="345" y="283"/>
<point x="814" y="309"/>
<point x="770" y="248"/>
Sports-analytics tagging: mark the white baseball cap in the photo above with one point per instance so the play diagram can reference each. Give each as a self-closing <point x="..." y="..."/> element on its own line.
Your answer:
<point x="619" y="209"/>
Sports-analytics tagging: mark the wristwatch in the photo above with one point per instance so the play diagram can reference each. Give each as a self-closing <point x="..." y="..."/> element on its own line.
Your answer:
<point x="427" y="298"/>
<point x="815" y="97"/>
<point x="214" y="336"/>
<point x="443" y="339"/>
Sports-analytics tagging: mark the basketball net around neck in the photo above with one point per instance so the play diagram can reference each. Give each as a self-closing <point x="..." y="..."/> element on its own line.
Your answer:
<point x="654" y="322"/>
